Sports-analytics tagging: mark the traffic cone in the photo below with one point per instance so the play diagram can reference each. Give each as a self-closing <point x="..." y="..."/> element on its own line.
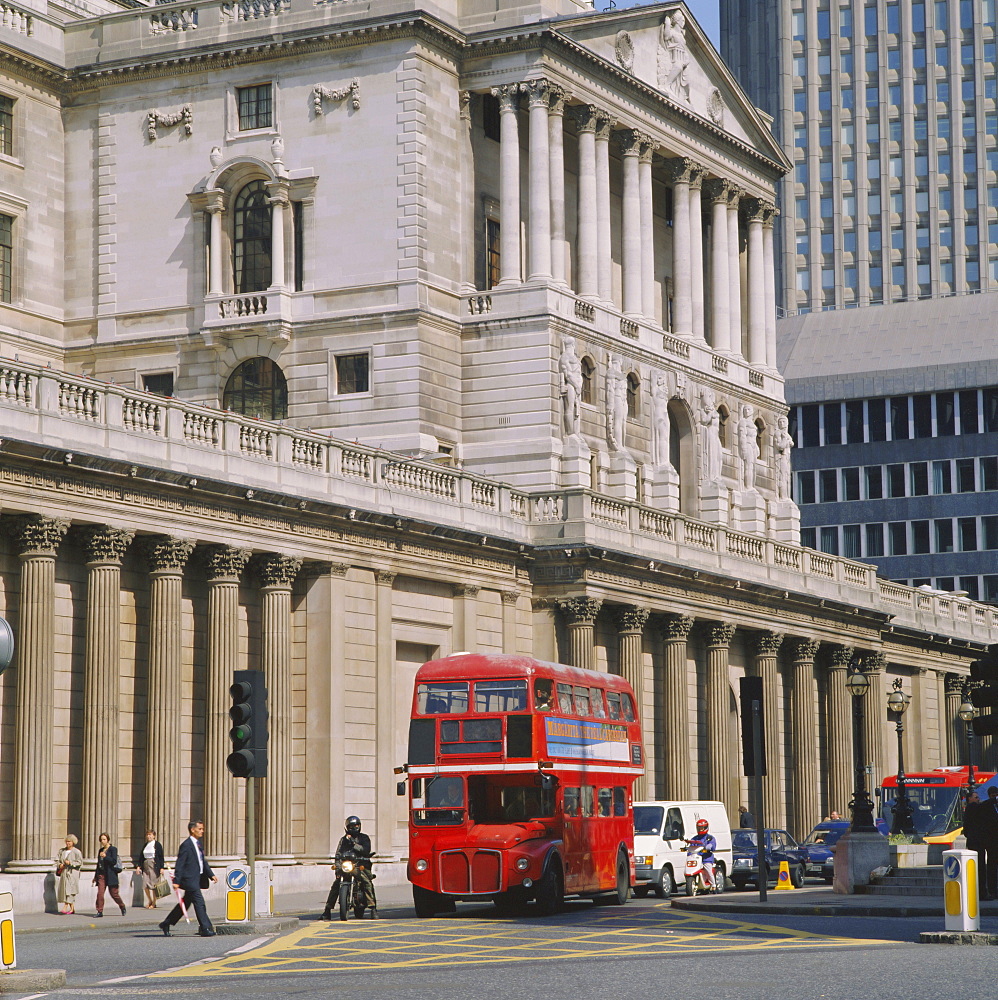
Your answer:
<point x="783" y="878"/>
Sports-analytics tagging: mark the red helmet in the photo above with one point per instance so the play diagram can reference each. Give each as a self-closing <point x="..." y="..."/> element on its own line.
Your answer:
<point x="702" y="825"/>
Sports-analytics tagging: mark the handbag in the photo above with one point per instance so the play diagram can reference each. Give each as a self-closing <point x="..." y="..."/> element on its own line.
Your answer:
<point x="118" y="866"/>
<point x="163" y="888"/>
<point x="60" y="868"/>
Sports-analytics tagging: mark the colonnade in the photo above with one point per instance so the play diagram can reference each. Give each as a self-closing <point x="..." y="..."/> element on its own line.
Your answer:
<point x="731" y="210"/>
<point x="37" y="540"/>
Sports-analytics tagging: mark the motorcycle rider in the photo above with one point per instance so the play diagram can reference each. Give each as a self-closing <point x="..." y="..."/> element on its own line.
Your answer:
<point x="357" y="847"/>
<point x="705" y="844"/>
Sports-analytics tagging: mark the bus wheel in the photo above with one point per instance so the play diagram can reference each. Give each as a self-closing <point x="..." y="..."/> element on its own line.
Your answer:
<point x="623" y="891"/>
<point x="427" y="903"/>
<point x="550" y="894"/>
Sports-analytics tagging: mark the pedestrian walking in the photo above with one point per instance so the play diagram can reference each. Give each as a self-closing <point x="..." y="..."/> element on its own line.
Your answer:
<point x="746" y="821"/>
<point x="974" y="832"/>
<point x="106" y="874"/>
<point x="192" y="874"/>
<point x="67" y="869"/>
<point x="989" y="842"/>
<point x="150" y="861"/>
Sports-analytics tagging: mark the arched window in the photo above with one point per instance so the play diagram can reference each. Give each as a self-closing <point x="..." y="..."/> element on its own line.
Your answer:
<point x="251" y="238"/>
<point x="257" y="388"/>
<point x="588" y="381"/>
<point x="633" y="396"/>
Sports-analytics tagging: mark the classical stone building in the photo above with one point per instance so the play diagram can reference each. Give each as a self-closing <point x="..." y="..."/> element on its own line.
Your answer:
<point x="338" y="336"/>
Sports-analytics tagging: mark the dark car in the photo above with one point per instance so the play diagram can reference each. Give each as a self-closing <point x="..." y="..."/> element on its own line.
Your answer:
<point x="818" y="843"/>
<point x="780" y="846"/>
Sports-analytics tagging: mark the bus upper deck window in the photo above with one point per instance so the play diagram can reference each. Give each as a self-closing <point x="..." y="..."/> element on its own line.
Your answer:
<point x="596" y="703"/>
<point x="565" y="698"/>
<point x="613" y="704"/>
<point x="501" y="696"/>
<point x="582" y="701"/>
<point x="543" y="694"/>
<point x="628" y="706"/>
<point x="442" y="698"/>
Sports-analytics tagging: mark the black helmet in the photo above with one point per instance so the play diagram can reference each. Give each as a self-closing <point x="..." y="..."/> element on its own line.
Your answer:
<point x="353" y="824"/>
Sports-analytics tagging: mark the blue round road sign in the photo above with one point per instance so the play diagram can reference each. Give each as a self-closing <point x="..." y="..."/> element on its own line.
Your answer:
<point x="236" y="878"/>
<point x="952" y="868"/>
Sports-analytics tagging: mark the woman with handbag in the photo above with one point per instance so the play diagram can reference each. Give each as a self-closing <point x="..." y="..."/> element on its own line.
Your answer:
<point x="150" y="862"/>
<point x="106" y="874"/>
<point x="67" y="870"/>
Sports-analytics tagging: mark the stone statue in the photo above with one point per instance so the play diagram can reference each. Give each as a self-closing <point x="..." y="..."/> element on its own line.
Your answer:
<point x="616" y="404"/>
<point x="748" y="447"/>
<point x="782" y="443"/>
<point x="674" y="57"/>
<point x="571" y="386"/>
<point x="661" y="428"/>
<point x="710" y="438"/>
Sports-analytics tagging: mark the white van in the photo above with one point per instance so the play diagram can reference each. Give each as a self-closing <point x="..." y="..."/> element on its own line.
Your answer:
<point x="659" y="851"/>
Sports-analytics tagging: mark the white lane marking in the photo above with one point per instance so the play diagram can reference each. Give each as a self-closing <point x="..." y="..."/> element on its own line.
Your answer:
<point x="250" y="945"/>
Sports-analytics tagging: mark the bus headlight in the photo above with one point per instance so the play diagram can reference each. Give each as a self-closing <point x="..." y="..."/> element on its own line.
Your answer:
<point x="522" y="864"/>
<point x="421" y="865"/>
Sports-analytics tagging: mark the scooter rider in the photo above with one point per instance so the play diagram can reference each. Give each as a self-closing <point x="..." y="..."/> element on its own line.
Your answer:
<point x="705" y="844"/>
<point x="356" y="846"/>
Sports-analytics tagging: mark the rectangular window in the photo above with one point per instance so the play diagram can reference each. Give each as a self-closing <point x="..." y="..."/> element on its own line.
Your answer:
<point x="989" y="532"/>
<point x="807" y="537"/>
<point x="919" y="479"/>
<point x="945" y="414"/>
<point x="989" y="473"/>
<point x="851" y="541"/>
<point x="809" y="426"/>
<point x="6" y="126"/>
<point x="827" y="486"/>
<point x="298" y="241"/>
<point x="490" y="117"/>
<point x="874" y="482"/>
<point x="895" y="481"/>
<point x="972" y="586"/>
<point x="990" y="411"/>
<point x="874" y="540"/>
<point x="830" y="541"/>
<point x="965" y="475"/>
<point x="833" y="423"/>
<point x="492" y="246"/>
<point x="160" y="383"/>
<point x="921" y="407"/>
<point x="944" y="535"/>
<point x="899" y="418"/>
<point x="968" y="412"/>
<point x="854" y="421"/>
<point x="877" y="416"/>
<point x="352" y="374"/>
<point x="919" y="537"/>
<point x="990" y="590"/>
<point x="805" y="487"/>
<point x="898" y="531"/>
<point x="6" y="257"/>
<point x="256" y="106"/>
<point x="850" y="484"/>
<point x="942" y="477"/>
<point x="967" y="528"/>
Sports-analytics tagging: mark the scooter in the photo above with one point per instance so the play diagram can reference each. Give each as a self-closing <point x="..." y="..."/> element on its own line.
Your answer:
<point x="696" y="875"/>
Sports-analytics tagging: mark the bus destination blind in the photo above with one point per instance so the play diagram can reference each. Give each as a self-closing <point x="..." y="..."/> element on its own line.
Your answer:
<point x="577" y="740"/>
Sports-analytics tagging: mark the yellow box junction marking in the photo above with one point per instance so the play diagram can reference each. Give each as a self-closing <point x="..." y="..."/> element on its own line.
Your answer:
<point x="408" y="944"/>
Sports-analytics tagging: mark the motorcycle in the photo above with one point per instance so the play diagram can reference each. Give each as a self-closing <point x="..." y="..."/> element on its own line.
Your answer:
<point x="696" y="876"/>
<point x="355" y="892"/>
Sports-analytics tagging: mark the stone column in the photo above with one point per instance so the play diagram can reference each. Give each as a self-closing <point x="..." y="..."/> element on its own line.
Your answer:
<point x="767" y="648"/>
<point x="580" y="614"/>
<point x="469" y="239"/>
<point x="717" y="699"/>
<point x="509" y="183"/>
<point x="166" y="558"/>
<point x="36" y="539"/>
<point x="510" y="637"/>
<point x="875" y="711"/>
<point x="682" y="266"/>
<point x="604" y="260"/>
<point x="769" y="264"/>
<point x="389" y="810"/>
<point x="954" y="728"/>
<point x="630" y="143"/>
<point x="539" y="172"/>
<point x="696" y="251"/>
<point x="734" y="270"/>
<point x="647" y="230"/>
<point x="465" y="617"/>
<point x="104" y="547"/>
<point x="672" y="742"/>
<point x="586" y="120"/>
<point x="720" y="315"/>
<point x="630" y="656"/>
<point x="277" y="574"/>
<point x="224" y="566"/>
<point x="838" y="729"/>
<point x="215" y="206"/>
<point x="556" y="146"/>
<point x="277" y="192"/>
<point x="805" y="801"/>
<point x="757" y="297"/>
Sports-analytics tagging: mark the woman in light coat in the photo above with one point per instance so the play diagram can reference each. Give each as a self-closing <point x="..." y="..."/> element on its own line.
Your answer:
<point x="68" y="865"/>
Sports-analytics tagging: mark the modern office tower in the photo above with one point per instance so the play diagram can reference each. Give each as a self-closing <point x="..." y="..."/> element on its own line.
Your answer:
<point x="889" y="113"/>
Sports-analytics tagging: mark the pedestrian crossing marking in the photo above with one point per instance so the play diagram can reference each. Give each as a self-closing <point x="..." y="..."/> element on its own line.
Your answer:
<point x="410" y="944"/>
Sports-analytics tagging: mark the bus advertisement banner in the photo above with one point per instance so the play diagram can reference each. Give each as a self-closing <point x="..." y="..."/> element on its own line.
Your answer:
<point x="577" y="740"/>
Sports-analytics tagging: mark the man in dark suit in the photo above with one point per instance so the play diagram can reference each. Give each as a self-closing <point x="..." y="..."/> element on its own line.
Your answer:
<point x="192" y="874"/>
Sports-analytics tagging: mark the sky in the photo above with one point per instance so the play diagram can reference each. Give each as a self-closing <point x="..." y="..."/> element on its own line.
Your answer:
<point x="705" y="11"/>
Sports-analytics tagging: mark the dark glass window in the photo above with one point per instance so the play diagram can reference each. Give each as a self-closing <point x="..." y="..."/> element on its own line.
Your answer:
<point x="990" y="411"/>
<point x="942" y="477"/>
<point x="828" y="482"/>
<point x="805" y="487"/>
<point x="895" y="481"/>
<point x="989" y="532"/>
<point x="989" y="473"/>
<point x="899" y="418"/>
<point x="161" y="383"/>
<point x="919" y="479"/>
<point x="251" y="239"/>
<point x="945" y="414"/>
<point x="876" y="409"/>
<point x="919" y="537"/>
<point x="492" y="253"/>
<point x="6" y="126"/>
<point x="6" y="257"/>
<point x="967" y="527"/>
<point x="874" y="482"/>
<point x="298" y="235"/>
<point x="874" y="540"/>
<point x="944" y="535"/>
<point x="257" y="388"/>
<point x="809" y="426"/>
<point x="898" y="531"/>
<point x="352" y="373"/>
<point x="968" y="412"/>
<point x="851" y="541"/>
<point x="854" y="421"/>
<point x="830" y="541"/>
<point x="850" y="484"/>
<point x="991" y="590"/>
<point x="491" y="117"/>
<point x="965" y="475"/>
<point x="833" y="423"/>
<point x="256" y="106"/>
<point x="807" y="536"/>
<point x="921" y="407"/>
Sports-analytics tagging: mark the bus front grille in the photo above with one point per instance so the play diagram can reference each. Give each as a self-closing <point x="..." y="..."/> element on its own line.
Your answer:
<point x="471" y="872"/>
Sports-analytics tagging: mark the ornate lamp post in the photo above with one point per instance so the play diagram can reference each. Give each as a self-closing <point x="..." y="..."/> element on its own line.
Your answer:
<point x="862" y="808"/>
<point x="897" y="703"/>
<point x="967" y="713"/>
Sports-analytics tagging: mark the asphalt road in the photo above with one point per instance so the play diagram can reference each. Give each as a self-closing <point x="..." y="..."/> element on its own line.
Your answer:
<point x="644" y="949"/>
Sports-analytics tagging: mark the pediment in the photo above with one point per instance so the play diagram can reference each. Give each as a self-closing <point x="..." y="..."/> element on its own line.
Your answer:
<point x="667" y="50"/>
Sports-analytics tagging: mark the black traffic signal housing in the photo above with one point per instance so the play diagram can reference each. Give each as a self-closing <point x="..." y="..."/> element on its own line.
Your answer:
<point x="985" y="695"/>
<point x="249" y="725"/>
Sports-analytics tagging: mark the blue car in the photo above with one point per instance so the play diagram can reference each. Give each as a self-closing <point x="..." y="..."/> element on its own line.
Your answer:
<point x="780" y="846"/>
<point x="818" y="843"/>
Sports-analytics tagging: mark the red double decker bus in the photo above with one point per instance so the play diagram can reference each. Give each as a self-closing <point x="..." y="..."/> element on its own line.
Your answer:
<point x="519" y="780"/>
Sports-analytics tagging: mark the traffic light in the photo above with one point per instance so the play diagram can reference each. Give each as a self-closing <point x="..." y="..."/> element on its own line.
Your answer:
<point x="985" y="695"/>
<point x="249" y="725"/>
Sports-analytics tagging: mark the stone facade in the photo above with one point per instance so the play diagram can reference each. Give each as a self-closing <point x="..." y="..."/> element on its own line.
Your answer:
<point x="552" y="243"/>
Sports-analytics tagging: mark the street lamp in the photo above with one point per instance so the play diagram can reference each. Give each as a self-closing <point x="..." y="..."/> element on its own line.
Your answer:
<point x="967" y="713"/>
<point x="862" y="808"/>
<point x="897" y="702"/>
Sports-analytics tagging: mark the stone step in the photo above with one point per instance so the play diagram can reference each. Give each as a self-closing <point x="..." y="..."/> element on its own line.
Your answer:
<point x="934" y="892"/>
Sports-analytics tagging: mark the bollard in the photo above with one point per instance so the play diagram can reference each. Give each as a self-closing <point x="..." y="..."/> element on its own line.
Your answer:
<point x="783" y="878"/>
<point x="960" y="890"/>
<point x="8" y="953"/>
<point x="263" y="889"/>
<point x="237" y="894"/>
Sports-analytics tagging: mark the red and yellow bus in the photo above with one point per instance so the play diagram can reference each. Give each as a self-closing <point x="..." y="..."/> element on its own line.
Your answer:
<point x="936" y="797"/>
<point x="519" y="780"/>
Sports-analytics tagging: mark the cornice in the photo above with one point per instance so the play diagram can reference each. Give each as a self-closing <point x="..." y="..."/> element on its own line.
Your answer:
<point x="37" y="71"/>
